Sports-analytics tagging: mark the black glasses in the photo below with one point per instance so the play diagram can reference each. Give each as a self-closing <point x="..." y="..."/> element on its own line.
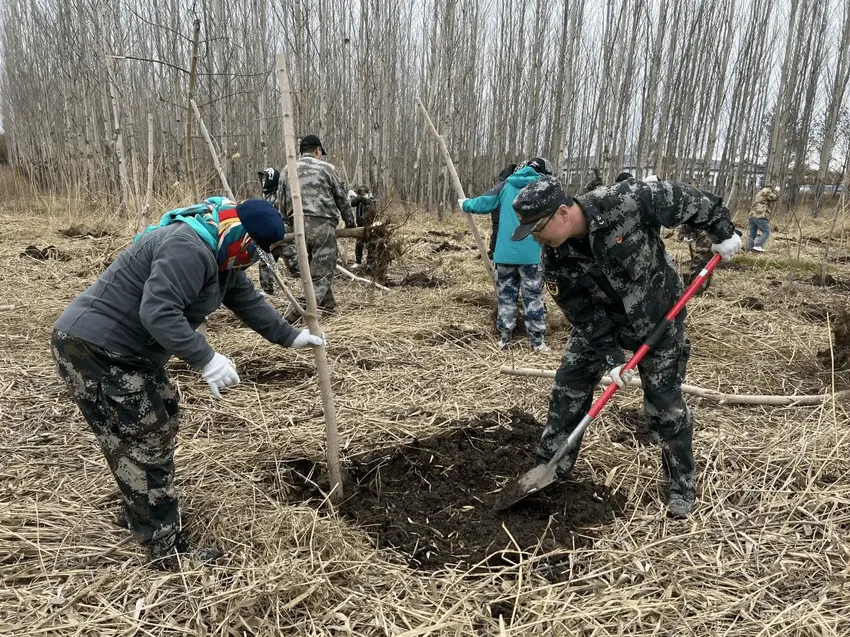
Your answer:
<point x="538" y="228"/>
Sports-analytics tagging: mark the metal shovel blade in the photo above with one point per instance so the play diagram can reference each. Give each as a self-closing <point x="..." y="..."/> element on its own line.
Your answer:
<point x="528" y="483"/>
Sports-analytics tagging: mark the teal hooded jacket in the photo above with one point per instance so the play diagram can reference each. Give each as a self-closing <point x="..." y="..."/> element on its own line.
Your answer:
<point x="525" y="252"/>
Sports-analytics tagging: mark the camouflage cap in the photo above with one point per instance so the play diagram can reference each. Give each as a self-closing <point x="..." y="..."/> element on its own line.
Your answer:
<point x="538" y="200"/>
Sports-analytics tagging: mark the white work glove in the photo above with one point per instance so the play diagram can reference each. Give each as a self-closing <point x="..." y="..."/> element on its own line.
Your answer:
<point x="623" y="379"/>
<point x="460" y="202"/>
<point x="218" y="373"/>
<point x="304" y="339"/>
<point x="728" y="248"/>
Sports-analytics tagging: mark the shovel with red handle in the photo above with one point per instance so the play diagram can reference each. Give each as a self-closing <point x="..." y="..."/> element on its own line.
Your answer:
<point x="545" y="474"/>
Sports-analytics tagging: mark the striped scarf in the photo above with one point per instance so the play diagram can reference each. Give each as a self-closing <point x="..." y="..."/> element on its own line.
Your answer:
<point x="217" y="224"/>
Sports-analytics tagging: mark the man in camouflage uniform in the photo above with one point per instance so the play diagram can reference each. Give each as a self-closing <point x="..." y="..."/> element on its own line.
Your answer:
<point x="365" y="207"/>
<point x="606" y="268"/>
<point x="759" y="221"/>
<point x="324" y="200"/>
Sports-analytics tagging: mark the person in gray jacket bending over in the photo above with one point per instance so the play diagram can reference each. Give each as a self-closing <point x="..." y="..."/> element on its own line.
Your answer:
<point x="112" y="342"/>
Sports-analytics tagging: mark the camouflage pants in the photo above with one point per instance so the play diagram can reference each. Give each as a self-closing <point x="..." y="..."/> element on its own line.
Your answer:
<point x="662" y="372"/>
<point x="322" y="250"/>
<point x="528" y="279"/>
<point x="131" y="407"/>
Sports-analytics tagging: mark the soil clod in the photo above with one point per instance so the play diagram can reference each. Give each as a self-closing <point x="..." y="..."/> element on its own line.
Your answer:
<point x="49" y="253"/>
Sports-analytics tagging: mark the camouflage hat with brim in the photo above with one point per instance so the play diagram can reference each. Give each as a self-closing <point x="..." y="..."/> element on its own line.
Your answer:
<point x="538" y="200"/>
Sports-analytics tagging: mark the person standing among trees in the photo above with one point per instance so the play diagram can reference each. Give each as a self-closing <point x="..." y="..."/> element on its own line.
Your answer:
<point x="112" y="342"/>
<point x="606" y="268"/>
<point x="269" y="181"/>
<point x="759" y="221"/>
<point x="517" y="264"/>
<point x="324" y="199"/>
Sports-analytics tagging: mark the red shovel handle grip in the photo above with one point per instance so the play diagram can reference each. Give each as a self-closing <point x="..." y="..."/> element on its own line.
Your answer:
<point x="657" y="333"/>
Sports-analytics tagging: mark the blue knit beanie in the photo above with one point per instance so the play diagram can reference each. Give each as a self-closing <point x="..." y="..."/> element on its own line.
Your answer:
<point x="262" y="222"/>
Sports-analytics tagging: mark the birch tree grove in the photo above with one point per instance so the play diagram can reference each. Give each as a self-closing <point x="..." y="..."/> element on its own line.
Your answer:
<point x="730" y="94"/>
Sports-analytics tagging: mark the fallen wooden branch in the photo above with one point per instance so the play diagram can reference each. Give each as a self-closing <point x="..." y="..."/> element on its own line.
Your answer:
<point x="6" y="308"/>
<point x="361" y="279"/>
<point x="723" y="399"/>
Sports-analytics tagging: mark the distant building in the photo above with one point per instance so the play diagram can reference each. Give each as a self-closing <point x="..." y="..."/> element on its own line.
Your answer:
<point x="578" y="170"/>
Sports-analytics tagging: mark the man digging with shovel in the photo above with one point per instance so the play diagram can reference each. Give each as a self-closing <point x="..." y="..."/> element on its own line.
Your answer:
<point x="606" y="268"/>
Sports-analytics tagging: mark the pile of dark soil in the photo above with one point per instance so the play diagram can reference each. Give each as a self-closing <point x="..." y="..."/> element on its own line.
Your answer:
<point x="420" y="280"/>
<point x="83" y="232"/>
<point x="50" y="253"/>
<point x="446" y="246"/>
<point x="840" y="355"/>
<point x="433" y="500"/>
<point x="828" y="281"/>
<point x="750" y="303"/>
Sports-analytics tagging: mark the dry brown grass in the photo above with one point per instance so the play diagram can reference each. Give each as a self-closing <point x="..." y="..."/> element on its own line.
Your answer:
<point x="766" y="552"/>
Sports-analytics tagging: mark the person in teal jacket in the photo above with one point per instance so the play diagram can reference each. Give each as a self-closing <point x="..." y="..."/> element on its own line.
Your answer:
<point x="517" y="262"/>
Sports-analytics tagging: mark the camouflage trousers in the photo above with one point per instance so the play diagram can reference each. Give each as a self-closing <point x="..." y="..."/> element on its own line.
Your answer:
<point x="131" y="407"/>
<point x="528" y="279"/>
<point x="322" y="251"/>
<point x="662" y="372"/>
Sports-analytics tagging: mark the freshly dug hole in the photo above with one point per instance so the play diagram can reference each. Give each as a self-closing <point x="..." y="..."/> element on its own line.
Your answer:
<point x="433" y="500"/>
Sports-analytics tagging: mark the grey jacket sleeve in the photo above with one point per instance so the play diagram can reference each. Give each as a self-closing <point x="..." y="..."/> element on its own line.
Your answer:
<point x="176" y="279"/>
<point x="245" y="302"/>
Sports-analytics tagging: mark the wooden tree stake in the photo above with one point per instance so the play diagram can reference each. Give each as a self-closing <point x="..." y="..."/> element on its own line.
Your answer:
<point x="187" y="133"/>
<point x="322" y="369"/>
<point x="459" y="190"/>
<point x="149" y="192"/>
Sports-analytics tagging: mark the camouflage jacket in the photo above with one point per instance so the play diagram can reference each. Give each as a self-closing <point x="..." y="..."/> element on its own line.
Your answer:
<point x="615" y="283"/>
<point x="323" y="195"/>
<point x="763" y="203"/>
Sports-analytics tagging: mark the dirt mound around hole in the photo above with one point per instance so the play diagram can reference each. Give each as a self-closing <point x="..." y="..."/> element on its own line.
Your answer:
<point x="432" y="500"/>
<point x="49" y="253"/>
<point x="634" y="430"/>
<point x="840" y="354"/>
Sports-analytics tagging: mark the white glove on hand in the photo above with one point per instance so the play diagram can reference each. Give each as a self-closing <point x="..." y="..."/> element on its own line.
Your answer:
<point x="460" y="203"/>
<point x="218" y="373"/>
<point x="621" y="379"/>
<point x="304" y="339"/>
<point x="728" y="248"/>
